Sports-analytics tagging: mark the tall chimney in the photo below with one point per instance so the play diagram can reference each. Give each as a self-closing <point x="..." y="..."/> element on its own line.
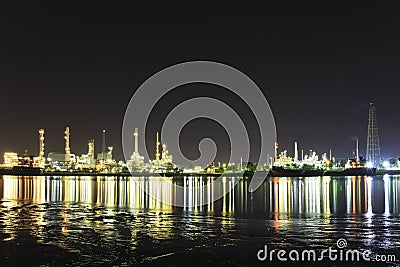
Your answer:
<point x="296" y="152"/>
<point x="103" y="142"/>
<point x="357" y="158"/>
<point x="136" y="135"/>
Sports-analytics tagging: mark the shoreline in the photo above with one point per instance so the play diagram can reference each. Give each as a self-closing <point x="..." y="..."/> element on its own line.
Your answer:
<point x="182" y="175"/>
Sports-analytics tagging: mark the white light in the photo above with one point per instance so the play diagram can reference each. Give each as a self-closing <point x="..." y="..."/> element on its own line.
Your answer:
<point x="386" y="164"/>
<point x="369" y="164"/>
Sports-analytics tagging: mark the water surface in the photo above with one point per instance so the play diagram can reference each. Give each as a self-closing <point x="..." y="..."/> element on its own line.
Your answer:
<point x="86" y="221"/>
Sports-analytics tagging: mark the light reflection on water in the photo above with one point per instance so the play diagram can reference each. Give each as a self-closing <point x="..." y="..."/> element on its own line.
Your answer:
<point x="112" y="220"/>
<point x="294" y="196"/>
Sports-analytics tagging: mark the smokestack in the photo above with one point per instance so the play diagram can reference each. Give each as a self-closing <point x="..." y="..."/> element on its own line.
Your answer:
<point x="136" y="135"/>
<point x="296" y="152"/>
<point x="103" y="142"/>
<point x="66" y="137"/>
<point x="357" y="158"/>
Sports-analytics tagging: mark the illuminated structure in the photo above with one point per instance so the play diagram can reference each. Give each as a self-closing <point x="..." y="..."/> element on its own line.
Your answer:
<point x="105" y="157"/>
<point x="40" y="160"/>
<point x="110" y="151"/>
<point x="62" y="161"/>
<point x="357" y="154"/>
<point x="157" y="147"/>
<point x="90" y="153"/>
<point x="102" y="156"/>
<point x="87" y="161"/>
<point x="10" y="159"/>
<point x="66" y="137"/>
<point x="41" y="143"/>
<point x="373" y="149"/>
<point x="296" y="152"/>
<point x="136" y="162"/>
<point x="310" y="160"/>
<point x="283" y="160"/>
<point x="163" y="163"/>
<point x="103" y="141"/>
<point x="276" y="151"/>
<point x="166" y="157"/>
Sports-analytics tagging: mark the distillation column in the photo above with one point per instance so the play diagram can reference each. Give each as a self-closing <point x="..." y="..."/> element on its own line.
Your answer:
<point x="66" y="137"/>
<point x="41" y="158"/>
<point x="91" y="149"/>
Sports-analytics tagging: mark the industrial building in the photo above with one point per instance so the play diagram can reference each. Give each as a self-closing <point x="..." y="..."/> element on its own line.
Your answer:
<point x="136" y="162"/>
<point x="62" y="161"/>
<point x="163" y="160"/>
<point x="10" y="159"/>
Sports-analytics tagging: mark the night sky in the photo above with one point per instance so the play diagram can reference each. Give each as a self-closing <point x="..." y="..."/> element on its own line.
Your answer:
<point x="318" y="64"/>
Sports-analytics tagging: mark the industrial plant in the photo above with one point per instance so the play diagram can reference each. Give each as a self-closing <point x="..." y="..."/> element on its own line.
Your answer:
<point x="312" y="160"/>
<point x="104" y="161"/>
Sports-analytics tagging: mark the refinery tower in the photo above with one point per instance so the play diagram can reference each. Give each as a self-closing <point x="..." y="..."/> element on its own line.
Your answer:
<point x="373" y="149"/>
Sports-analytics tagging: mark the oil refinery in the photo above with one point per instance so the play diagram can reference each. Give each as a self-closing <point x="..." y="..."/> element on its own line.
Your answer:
<point x="67" y="161"/>
<point x="281" y="162"/>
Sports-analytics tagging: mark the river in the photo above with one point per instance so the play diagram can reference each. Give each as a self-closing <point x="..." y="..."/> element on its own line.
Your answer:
<point x="109" y="221"/>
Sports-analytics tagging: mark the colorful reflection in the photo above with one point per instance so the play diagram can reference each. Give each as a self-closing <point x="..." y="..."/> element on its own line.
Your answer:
<point x="278" y="196"/>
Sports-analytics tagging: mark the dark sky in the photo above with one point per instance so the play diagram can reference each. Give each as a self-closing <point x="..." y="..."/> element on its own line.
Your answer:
<point x="318" y="63"/>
